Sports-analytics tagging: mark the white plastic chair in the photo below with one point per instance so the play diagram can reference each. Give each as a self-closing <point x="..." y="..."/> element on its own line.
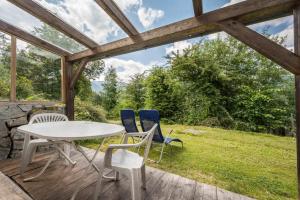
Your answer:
<point x="30" y="145"/>
<point x="128" y="163"/>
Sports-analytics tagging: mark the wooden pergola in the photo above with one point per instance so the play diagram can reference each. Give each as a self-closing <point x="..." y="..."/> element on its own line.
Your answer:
<point x="232" y="19"/>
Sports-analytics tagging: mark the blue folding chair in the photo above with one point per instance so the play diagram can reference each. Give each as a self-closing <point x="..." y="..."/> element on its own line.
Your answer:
<point x="128" y="121"/>
<point x="150" y="117"/>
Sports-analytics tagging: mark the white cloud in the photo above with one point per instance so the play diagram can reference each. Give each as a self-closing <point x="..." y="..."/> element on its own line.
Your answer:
<point x="125" y="68"/>
<point x="126" y="5"/>
<point x="178" y="47"/>
<point x="86" y="16"/>
<point x="231" y="2"/>
<point x="273" y="23"/>
<point x="17" y="17"/>
<point x="148" y="16"/>
<point x="289" y="34"/>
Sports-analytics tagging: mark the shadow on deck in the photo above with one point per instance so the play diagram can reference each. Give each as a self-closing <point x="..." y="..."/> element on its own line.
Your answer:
<point x="59" y="181"/>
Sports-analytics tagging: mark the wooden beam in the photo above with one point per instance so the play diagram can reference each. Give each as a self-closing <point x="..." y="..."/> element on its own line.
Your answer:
<point x="247" y="12"/>
<point x="70" y="93"/>
<point x="63" y="79"/>
<point x="270" y="49"/>
<point x="297" y="91"/>
<point x="78" y="72"/>
<point x="46" y="16"/>
<point x="27" y="37"/>
<point x="112" y="9"/>
<point x="198" y="8"/>
<point x="13" y="68"/>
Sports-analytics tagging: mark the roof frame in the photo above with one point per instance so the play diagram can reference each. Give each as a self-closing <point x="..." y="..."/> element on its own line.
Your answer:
<point x="49" y="18"/>
<point x="198" y="7"/>
<point x="246" y="12"/>
<point x="113" y="10"/>
<point x="27" y="37"/>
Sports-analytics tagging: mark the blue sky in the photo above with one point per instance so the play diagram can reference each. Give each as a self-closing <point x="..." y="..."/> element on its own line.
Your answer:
<point x="145" y="15"/>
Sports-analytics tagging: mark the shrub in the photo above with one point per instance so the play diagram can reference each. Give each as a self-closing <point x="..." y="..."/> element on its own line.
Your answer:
<point x="85" y="110"/>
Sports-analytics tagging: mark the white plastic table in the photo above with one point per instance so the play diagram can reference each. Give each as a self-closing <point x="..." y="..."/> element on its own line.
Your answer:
<point x="68" y="132"/>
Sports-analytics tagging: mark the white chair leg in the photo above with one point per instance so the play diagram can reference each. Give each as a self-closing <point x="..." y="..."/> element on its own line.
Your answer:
<point x="136" y="184"/>
<point x="98" y="185"/>
<point x="67" y="150"/>
<point x="161" y="152"/>
<point x="26" y="158"/>
<point x="32" y="154"/>
<point x="24" y="153"/>
<point x="143" y="173"/>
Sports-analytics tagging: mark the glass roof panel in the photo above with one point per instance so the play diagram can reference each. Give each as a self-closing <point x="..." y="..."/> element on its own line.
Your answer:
<point x="87" y="17"/>
<point x="210" y="5"/>
<point x="148" y="14"/>
<point x="23" y="20"/>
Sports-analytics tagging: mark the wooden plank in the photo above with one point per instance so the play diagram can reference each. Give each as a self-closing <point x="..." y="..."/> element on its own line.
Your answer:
<point x="247" y="12"/>
<point x="185" y="189"/>
<point x="13" y="68"/>
<point x="209" y="192"/>
<point x="270" y="49"/>
<point x="63" y="80"/>
<point x="78" y="72"/>
<point x="70" y="93"/>
<point x="112" y="9"/>
<point x="164" y="188"/>
<point x="27" y="37"/>
<point x="198" y="8"/>
<point x="60" y="181"/>
<point x="297" y="91"/>
<point x="46" y="16"/>
<point x="10" y="191"/>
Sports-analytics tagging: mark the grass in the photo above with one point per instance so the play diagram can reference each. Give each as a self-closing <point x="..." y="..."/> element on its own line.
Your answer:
<point x="261" y="166"/>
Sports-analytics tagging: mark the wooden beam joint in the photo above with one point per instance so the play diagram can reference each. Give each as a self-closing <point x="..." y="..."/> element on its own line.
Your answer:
<point x="78" y="72"/>
<point x="270" y="49"/>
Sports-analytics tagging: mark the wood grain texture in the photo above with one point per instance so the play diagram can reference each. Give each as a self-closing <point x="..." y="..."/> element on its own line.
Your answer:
<point x="10" y="190"/>
<point x="59" y="182"/>
<point x="297" y="90"/>
<point x="13" y="69"/>
<point x="268" y="48"/>
<point x="78" y="72"/>
<point x="27" y="37"/>
<point x="49" y="18"/>
<point x="112" y="9"/>
<point x="247" y="12"/>
<point x="198" y="8"/>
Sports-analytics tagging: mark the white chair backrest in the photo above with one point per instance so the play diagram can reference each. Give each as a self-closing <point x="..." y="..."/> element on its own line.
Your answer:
<point x="48" y="117"/>
<point x="147" y="141"/>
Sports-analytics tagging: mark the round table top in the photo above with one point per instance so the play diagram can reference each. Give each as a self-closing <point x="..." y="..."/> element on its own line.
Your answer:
<point x="71" y="130"/>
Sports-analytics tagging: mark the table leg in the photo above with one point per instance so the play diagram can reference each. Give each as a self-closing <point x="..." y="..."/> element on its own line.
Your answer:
<point x="78" y="147"/>
<point x="53" y="157"/>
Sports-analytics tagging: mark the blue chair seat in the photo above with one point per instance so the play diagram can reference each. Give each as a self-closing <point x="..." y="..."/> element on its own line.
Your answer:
<point x="168" y="140"/>
<point x="150" y="117"/>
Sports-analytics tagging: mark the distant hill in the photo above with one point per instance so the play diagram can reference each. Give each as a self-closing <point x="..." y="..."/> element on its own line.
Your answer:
<point x="97" y="86"/>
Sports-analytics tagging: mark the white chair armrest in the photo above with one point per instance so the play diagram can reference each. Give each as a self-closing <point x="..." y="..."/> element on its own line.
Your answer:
<point x="122" y="146"/>
<point x="139" y="134"/>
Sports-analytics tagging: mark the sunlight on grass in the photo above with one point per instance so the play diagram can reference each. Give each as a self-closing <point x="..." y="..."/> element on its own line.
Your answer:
<point x="258" y="165"/>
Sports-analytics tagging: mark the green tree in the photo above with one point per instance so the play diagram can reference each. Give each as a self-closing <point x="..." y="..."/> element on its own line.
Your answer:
<point x="135" y="93"/>
<point x="109" y="94"/>
<point x="162" y="93"/>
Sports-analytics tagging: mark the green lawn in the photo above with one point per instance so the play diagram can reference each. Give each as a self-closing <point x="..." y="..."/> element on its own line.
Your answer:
<point x="258" y="165"/>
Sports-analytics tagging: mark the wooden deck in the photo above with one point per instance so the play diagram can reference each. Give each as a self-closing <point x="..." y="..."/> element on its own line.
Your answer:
<point x="60" y="180"/>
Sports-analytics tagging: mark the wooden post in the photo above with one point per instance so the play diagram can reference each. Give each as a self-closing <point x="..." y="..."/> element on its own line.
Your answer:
<point x="63" y="79"/>
<point x="297" y="93"/>
<point x="13" y="68"/>
<point x="68" y="91"/>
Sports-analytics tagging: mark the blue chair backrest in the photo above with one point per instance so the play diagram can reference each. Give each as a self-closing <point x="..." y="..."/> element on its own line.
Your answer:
<point x="148" y="118"/>
<point x="128" y="120"/>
